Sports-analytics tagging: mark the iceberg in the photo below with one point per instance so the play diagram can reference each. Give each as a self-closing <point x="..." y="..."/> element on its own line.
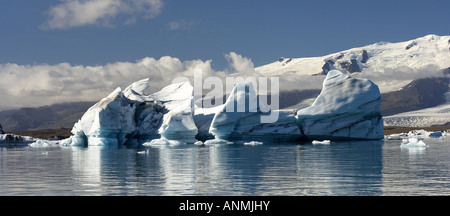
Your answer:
<point x="436" y="134"/>
<point x="346" y="109"/>
<point x="130" y="114"/>
<point x="15" y="139"/>
<point x="240" y="119"/>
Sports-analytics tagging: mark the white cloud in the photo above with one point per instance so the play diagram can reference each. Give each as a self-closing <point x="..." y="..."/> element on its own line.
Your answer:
<point x="43" y="84"/>
<point x="39" y="85"/>
<point x="76" y="13"/>
<point x="180" y="24"/>
<point x="240" y="64"/>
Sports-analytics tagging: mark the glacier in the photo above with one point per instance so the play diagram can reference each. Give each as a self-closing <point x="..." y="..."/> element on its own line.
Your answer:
<point x="427" y="117"/>
<point x="347" y="108"/>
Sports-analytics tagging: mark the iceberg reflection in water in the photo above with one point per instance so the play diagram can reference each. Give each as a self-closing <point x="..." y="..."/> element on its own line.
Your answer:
<point x="369" y="168"/>
<point x="235" y="169"/>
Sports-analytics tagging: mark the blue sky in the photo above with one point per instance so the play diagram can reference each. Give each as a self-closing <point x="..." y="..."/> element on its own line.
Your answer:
<point x="54" y="51"/>
<point x="203" y="29"/>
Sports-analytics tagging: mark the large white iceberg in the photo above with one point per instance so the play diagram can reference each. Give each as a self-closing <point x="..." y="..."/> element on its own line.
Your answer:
<point x="240" y="118"/>
<point x="130" y="114"/>
<point x="346" y="109"/>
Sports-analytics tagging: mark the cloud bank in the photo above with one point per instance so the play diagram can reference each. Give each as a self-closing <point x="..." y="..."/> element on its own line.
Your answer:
<point x="76" y="13"/>
<point x="43" y="84"/>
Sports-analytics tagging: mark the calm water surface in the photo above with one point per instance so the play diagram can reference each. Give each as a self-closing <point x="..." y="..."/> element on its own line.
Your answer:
<point x="376" y="168"/>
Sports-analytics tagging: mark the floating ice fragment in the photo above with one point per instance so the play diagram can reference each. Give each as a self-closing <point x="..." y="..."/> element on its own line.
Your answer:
<point x="143" y="152"/>
<point x="413" y="143"/>
<point x="217" y="141"/>
<point x="163" y="141"/>
<point x="435" y="134"/>
<point x="199" y="143"/>
<point x="253" y="143"/>
<point x="321" y="142"/>
<point x="43" y="144"/>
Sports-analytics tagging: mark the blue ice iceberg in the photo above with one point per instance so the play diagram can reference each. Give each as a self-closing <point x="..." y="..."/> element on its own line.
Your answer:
<point x="130" y="114"/>
<point x="241" y="119"/>
<point x="346" y="109"/>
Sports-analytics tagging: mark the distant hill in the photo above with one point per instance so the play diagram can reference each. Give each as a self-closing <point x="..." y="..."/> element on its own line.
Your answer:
<point x="62" y="115"/>
<point x="417" y="95"/>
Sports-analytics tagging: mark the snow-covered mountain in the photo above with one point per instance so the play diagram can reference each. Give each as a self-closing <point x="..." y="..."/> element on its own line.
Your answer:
<point x="391" y="65"/>
<point x="407" y="73"/>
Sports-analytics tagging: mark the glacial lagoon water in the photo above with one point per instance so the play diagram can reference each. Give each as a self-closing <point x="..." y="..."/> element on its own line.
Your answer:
<point x="358" y="168"/>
